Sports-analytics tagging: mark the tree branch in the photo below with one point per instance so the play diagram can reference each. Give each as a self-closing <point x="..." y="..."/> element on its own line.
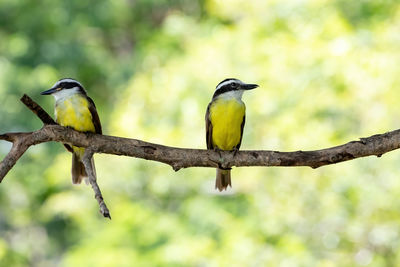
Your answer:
<point x="179" y="158"/>
<point x="17" y="150"/>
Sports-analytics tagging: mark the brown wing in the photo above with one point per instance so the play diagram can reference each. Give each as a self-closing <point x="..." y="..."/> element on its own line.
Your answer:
<point x="241" y="131"/>
<point x="209" y="129"/>
<point x="95" y="116"/>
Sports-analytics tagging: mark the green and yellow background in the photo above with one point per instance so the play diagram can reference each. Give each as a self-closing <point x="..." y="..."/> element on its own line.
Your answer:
<point x="328" y="70"/>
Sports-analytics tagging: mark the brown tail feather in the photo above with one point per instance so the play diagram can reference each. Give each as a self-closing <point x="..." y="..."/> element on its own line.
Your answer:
<point x="78" y="170"/>
<point x="223" y="179"/>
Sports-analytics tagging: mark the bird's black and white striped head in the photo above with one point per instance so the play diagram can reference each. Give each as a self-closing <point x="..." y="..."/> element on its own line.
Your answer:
<point x="65" y="87"/>
<point x="232" y="88"/>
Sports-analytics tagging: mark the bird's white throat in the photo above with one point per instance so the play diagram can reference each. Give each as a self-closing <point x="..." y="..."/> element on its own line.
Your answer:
<point x="59" y="95"/>
<point x="232" y="94"/>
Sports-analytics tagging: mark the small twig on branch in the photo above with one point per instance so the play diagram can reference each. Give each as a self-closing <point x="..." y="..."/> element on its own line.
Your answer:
<point x="41" y="113"/>
<point x="38" y="110"/>
<point x="88" y="162"/>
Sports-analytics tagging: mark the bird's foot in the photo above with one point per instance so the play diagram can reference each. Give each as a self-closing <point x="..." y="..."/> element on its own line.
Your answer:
<point x="235" y="151"/>
<point x="216" y="149"/>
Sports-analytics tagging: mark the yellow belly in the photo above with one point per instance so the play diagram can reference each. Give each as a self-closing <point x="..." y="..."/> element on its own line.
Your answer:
<point x="226" y="117"/>
<point x="74" y="112"/>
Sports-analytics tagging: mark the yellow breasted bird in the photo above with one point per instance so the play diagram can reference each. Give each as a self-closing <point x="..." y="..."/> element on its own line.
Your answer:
<point x="75" y="109"/>
<point x="225" y="118"/>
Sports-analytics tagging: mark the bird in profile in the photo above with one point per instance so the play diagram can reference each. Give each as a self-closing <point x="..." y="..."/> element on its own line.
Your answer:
<point x="75" y="109"/>
<point x="225" y="118"/>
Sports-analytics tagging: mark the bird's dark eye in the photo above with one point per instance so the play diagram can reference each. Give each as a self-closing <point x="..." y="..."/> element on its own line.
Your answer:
<point x="68" y="85"/>
<point x="234" y="85"/>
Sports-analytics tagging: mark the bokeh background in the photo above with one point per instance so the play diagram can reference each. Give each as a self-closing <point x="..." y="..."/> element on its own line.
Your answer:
<point x="328" y="72"/>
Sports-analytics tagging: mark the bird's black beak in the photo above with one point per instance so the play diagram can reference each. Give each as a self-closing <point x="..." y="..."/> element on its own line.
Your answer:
<point x="249" y="86"/>
<point x="50" y="91"/>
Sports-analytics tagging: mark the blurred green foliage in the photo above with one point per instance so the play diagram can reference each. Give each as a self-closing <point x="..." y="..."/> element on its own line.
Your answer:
<point x="328" y="73"/>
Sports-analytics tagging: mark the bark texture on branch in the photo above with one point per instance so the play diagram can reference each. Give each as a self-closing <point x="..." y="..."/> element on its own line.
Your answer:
<point x="183" y="158"/>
